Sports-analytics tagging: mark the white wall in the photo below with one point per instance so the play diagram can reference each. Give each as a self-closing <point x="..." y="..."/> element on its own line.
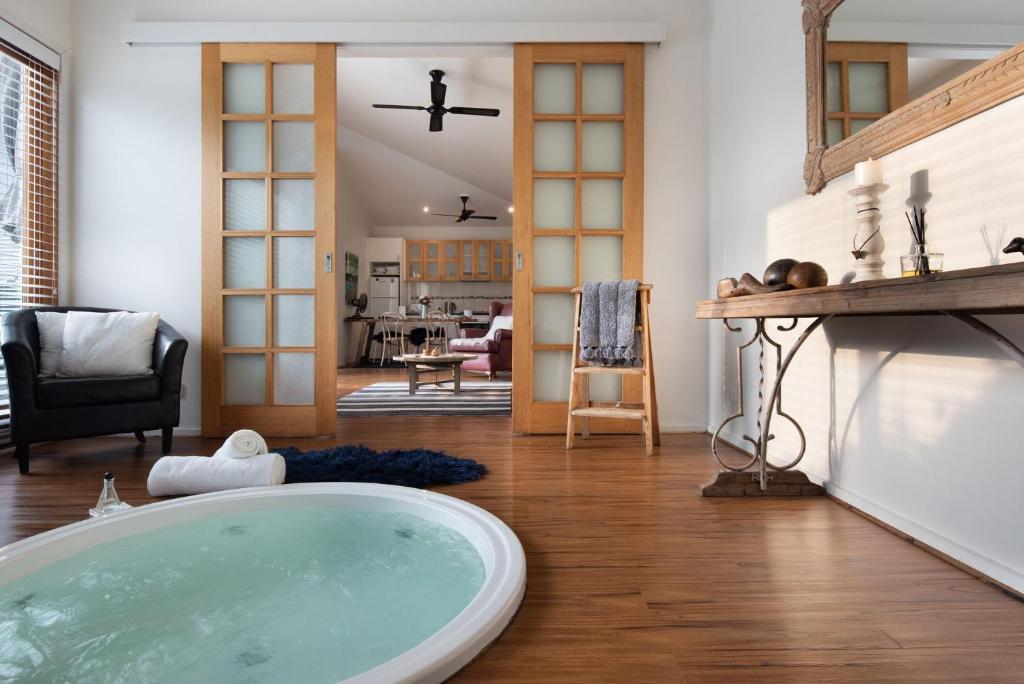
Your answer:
<point x="134" y="200"/>
<point x="352" y="228"/>
<point x="911" y="420"/>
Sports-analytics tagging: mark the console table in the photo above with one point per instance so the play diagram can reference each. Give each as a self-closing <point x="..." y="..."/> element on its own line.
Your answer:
<point x="959" y="294"/>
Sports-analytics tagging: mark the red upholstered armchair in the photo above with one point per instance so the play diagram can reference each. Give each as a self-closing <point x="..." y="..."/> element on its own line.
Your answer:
<point x="493" y="356"/>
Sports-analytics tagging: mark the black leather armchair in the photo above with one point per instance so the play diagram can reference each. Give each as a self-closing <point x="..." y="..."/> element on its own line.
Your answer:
<point x="48" y="409"/>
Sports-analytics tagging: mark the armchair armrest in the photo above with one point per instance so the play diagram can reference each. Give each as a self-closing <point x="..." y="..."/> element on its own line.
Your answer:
<point x="22" y="367"/>
<point x="502" y="335"/>
<point x="468" y="333"/>
<point x="169" y="347"/>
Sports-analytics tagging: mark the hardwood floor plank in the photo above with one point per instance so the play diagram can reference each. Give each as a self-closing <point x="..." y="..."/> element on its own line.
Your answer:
<point x="632" y="576"/>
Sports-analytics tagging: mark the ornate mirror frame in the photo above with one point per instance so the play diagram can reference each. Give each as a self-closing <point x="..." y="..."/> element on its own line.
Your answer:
<point x="987" y="85"/>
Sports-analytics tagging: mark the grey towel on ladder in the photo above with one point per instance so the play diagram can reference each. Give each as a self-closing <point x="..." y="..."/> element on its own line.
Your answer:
<point x="608" y="323"/>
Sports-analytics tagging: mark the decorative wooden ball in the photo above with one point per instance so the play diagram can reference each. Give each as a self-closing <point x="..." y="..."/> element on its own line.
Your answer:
<point x="777" y="271"/>
<point x="807" y="274"/>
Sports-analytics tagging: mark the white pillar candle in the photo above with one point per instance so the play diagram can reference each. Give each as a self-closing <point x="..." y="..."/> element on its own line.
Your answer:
<point x="867" y="172"/>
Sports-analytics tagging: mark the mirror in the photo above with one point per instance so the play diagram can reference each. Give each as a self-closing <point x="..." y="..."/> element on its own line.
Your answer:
<point x="883" y="74"/>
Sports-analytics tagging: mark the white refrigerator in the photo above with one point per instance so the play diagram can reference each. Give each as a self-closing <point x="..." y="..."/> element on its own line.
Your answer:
<point x="384" y="295"/>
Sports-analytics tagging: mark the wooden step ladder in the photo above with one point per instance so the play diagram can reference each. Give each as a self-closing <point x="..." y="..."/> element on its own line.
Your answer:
<point x="580" y="405"/>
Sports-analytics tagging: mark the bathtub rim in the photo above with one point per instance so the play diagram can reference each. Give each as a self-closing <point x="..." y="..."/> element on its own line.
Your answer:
<point x="434" y="659"/>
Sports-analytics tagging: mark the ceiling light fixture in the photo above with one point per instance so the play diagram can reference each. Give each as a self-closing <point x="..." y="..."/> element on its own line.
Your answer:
<point x="511" y="210"/>
<point x="426" y="210"/>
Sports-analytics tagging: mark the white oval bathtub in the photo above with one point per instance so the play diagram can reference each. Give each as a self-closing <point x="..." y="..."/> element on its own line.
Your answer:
<point x="431" y="660"/>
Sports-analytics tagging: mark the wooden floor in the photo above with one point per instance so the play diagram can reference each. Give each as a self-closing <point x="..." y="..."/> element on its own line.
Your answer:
<point x="632" y="577"/>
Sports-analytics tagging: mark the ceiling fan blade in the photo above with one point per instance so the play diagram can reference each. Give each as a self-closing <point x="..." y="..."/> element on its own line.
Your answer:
<point x="435" y="122"/>
<point x="451" y="215"/>
<point x="437" y="92"/>
<point x="486" y="218"/>
<point x="475" y="111"/>
<point x="387" y="106"/>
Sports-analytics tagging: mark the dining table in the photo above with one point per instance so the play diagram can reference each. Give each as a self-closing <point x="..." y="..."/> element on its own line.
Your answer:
<point x="369" y="328"/>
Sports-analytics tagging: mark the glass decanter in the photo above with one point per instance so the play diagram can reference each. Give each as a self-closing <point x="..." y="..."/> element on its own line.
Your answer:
<point x="109" y="502"/>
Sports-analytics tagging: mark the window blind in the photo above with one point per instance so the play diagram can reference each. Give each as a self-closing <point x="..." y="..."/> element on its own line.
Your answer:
<point x="28" y="190"/>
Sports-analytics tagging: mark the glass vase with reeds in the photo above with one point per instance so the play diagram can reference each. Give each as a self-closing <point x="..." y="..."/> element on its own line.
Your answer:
<point x="920" y="261"/>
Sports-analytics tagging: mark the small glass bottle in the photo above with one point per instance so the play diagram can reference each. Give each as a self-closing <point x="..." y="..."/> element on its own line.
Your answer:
<point x="109" y="502"/>
<point x="920" y="262"/>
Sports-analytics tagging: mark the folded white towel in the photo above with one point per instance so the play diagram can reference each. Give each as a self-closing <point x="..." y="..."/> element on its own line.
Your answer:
<point x="242" y="444"/>
<point x="174" y="475"/>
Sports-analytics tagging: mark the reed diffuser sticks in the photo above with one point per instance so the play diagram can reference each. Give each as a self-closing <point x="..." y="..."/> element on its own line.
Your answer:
<point x="917" y="232"/>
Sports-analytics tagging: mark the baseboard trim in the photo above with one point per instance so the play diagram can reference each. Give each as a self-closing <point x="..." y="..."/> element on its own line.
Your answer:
<point x="988" y="570"/>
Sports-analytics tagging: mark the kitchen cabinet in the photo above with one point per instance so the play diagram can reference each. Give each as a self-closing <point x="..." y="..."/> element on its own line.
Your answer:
<point x="450" y="251"/>
<point x="458" y="260"/>
<point x="501" y="260"/>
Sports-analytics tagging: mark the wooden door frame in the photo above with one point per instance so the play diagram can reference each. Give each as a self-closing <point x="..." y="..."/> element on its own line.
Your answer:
<point x="550" y="417"/>
<point x="217" y="419"/>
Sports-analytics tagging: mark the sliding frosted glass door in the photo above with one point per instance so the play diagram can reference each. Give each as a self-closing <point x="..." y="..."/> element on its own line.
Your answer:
<point x="579" y="212"/>
<point x="268" y="234"/>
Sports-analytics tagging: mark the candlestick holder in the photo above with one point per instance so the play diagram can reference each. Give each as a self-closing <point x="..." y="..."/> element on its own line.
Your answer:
<point x="868" y="243"/>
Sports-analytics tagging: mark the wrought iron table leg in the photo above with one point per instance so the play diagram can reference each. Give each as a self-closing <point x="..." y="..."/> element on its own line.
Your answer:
<point x="729" y="482"/>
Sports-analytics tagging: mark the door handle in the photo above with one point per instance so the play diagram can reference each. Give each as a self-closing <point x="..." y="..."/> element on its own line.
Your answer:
<point x="328" y="262"/>
<point x="519" y="261"/>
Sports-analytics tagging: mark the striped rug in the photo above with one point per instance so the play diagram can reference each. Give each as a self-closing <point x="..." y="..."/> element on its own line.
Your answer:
<point x="476" y="398"/>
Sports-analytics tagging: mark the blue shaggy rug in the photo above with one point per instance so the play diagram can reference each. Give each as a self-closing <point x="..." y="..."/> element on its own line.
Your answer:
<point x="406" y="467"/>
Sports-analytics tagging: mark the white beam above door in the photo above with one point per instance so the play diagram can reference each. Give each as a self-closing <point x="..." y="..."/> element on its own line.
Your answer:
<point x="171" y="33"/>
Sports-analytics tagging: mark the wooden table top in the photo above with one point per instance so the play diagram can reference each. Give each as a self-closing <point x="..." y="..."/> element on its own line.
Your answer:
<point x="441" y="359"/>
<point x="988" y="289"/>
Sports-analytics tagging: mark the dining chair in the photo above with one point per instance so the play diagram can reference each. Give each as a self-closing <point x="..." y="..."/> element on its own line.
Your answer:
<point x="392" y="335"/>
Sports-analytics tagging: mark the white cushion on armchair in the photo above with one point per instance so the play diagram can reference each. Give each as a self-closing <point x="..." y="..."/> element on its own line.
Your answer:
<point x="499" y="323"/>
<point x="116" y="343"/>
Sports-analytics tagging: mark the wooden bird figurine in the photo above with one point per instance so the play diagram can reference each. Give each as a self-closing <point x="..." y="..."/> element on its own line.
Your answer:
<point x="1016" y="245"/>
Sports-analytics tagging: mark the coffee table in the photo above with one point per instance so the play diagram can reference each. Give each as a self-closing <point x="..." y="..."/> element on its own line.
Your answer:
<point x="422" y="363"/>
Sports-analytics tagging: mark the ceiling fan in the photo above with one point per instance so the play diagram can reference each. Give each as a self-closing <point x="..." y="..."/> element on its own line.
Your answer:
<point x="437" y="109"/>
<point x="467" y="213"/>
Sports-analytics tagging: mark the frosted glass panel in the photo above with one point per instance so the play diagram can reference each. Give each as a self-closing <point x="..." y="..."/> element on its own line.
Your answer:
<point x="432" y="270"/>
<point x="605" y="387"/>
<point x="833" y="88"/>
<point x="554" y="88"/>
<point x="860" y="124"/>
<point x="293" y="146"/>
<point x="554" y="146"/>
<point x="293" y="262"/>
<point x="554" y="203"/>
<point x="245" y="263"/>
<point x="602" y="89"/>
<point x="601" y="258"/>
<point x="245" y="146"/>
<point x="293" y="204"/>
<point x="293" y="378"/>
<point x="244" y="379"/>
<point x="244" y="321"/>
<point x="245" y="204"/>
<point x="551" y="371"/>
<point x="554" y="262"/>
<point x="293" y="320"/>
<point x="293" y="88"/>
<point x="868" y="89"/>
<point x="834" y="131"/>
<point x="433" y="250"/>
<point x="602" y="146"/>
<point x="243" y="89"/>
<point x="602" y="203"/>
<point x="553" y="318"/>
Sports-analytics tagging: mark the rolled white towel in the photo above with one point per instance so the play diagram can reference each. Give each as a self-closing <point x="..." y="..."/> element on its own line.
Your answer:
<point x="242" y="444"/>
<point x="174" y="475"/>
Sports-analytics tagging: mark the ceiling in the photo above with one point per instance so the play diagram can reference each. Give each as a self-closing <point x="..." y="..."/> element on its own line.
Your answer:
<point x="973" y="12"/>
<point x="397" y="166"/>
